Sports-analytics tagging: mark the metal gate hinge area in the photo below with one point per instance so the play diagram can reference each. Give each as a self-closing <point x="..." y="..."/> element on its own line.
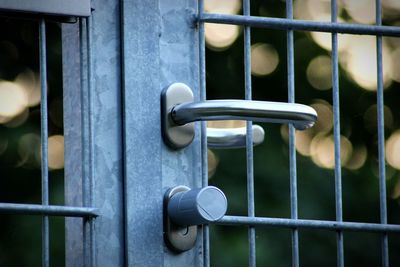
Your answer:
<point x="79" y="8"/>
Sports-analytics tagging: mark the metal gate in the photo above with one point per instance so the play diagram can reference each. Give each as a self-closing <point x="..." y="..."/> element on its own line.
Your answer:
<point x="116" y="62"/>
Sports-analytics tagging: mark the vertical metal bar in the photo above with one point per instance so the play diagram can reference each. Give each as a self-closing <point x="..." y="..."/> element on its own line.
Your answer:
<point x="85" y="138"/>
<point x="336" y="133"/>
<point x="249" y="138"/>
<point x="381" y="137"/>
<point x="292" y="137"/>
<point x="44" y="141"/>
<point x="72" y="135"/>
<point x="91" y="137"/>
<point x="204" y="149"/>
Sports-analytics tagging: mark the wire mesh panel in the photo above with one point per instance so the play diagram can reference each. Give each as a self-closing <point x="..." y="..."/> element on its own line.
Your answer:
<point x="45" y="209"/>
<point x="78" y="53"/>
<point x="289" y="25"/>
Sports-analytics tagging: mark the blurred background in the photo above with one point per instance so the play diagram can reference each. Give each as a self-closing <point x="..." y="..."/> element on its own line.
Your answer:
<point x="20" y="153"/>
<point x="315" y="147"/>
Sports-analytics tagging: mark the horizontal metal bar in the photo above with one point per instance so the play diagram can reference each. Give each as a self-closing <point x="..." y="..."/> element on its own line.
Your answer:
<point x="233" y="137"/>
<point x="301" y="116"/>
<point x="304" y="25"/>
<point x="49" y="7"/>
<point x="50" y="210"/>
<point x="307" y="224"/>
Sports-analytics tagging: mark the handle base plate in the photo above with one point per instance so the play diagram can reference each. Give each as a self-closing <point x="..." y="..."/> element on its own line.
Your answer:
<point x="176" y="136"/>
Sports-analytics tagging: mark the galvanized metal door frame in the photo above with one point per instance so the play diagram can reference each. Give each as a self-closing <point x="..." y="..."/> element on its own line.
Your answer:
<point x="115" y="65"/>
<point x="160" y="47"/>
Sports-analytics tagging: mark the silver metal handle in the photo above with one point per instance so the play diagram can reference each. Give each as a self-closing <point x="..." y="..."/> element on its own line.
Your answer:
<point x="179" y="111"/>
<point x="233" y="137"/>
<point x="301" y="116"/>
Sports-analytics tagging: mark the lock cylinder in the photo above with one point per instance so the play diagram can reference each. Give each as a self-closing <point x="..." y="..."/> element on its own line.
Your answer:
<point x="197" y="206"/>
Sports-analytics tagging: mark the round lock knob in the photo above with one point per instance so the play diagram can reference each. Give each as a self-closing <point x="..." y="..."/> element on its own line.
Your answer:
<point x="197" y="206"/>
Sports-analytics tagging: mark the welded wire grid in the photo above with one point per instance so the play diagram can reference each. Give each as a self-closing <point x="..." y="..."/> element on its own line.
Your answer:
<point x="294" y="223"/>
<point x="45" y="209"/>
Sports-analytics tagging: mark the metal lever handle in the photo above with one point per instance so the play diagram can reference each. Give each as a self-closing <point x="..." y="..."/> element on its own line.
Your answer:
<point x="179" y="110"/>
<point x="301" y="116"/>
<point x="233" y="137"/>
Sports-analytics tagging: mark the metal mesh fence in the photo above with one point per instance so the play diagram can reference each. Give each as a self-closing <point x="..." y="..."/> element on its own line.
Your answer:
<point x="288" y="24"/>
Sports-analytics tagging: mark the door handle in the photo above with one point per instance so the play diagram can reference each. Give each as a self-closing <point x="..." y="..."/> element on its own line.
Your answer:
<point x="233" y="137"/>
<point x="178" y="113"/>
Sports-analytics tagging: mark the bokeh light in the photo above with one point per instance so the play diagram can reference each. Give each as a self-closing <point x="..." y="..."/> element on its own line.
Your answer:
<point x="324" y="123"/>
<point x="18" y="120"/>
<point x="13" y="100"/>
<point x="312" y="10"/>
<point x="361" y="11"/>
<point x="323" y="150"/>
<point x="303" y="142"/>
<point x="222" y="6"/>
<point x="319" y="73"/>
<point x="396" y="190"/>
<point x="358" y="158"/>
<point x="220" y="36"/>
<point x="324" y="40"/>
<point x="226" y="124"/>
<point x="30" y="82"/>
<point x="360" y="62"/>
<point x="318" y="142"/>
<point x="391" y="9"/>
<point x="29" y="150"/>
<point x="393" y="150"/>
<point x="395" y="72"/>
<point x="264" y="59"/>
<point x="56" y="152"/>
<point x="357" y="53"/>
<point x="308" y="141"/>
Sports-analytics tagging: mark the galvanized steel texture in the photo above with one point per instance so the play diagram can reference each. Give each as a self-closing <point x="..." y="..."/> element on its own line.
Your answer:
<point x="97" y="133"/>
<point x="160" y="47"/>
